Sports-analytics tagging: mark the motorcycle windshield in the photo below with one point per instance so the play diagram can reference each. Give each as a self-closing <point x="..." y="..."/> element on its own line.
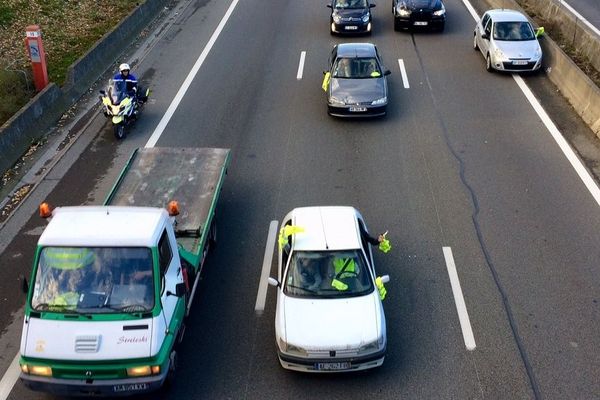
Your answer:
<point x="117" y="91"/>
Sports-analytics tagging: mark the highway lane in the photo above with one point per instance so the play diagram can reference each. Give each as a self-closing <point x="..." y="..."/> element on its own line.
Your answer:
<point x="588" y="9"/>
<point x="402" y="173"/>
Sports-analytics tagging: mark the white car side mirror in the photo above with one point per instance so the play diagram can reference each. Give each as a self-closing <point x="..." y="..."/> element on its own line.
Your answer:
<point x="275" y="282"/>
<point x="385" y="279"/>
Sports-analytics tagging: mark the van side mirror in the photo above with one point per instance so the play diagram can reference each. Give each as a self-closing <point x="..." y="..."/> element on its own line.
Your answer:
<point x="24" y="284"/>
<point x="372" y="5"/>
<point x="387" y="72"/>
<point x="103" y="93"/>
<point x="329" y="6"/>
<point x="485" y="36"/>
<point x="273" y="282"/>
<point x="385" y="279"/>
<point x="179" y="290"/>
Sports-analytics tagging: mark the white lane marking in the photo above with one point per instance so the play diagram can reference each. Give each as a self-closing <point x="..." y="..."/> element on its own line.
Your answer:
<point x="471" y="10"/>
<point x="580" y="17"/>
<point x="463" y="316"/>
<point x="261" y="296"/>
<point x="301" y="65"/>
<point x="189" y="79"/>
<point x="585" y="176"/>
<point x="403" y="72"/>
<point x="10" y="378"/>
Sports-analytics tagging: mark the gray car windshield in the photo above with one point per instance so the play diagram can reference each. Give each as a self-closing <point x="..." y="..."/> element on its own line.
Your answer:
<point x="351" y="4"/>
<point x="513" y="31"/>
<point x="356" y="68"/>
<point x="328" y="274"/>
<point x="94" y="280"/>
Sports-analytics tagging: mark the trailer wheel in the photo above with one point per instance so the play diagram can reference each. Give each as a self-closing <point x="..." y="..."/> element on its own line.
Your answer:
<point x="170" y="379"/>
<point x="212" y="236"/>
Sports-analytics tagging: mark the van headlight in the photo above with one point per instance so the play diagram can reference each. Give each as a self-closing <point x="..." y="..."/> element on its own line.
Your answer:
<point x="379" y="102"/>
<point x="336" y="102"/>
<point x="365" y="18"/>
<point x="336" y="18"/>
<point x="38" y="370"/>
<point x="440" y="12"/>
<point x="143" y="370"/>
<point x="404" y="12"/>
<point x="291" y="349"/>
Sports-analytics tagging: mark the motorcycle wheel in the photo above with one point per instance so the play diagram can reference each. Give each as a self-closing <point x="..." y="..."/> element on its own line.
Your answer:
<point x="119" y="130"/>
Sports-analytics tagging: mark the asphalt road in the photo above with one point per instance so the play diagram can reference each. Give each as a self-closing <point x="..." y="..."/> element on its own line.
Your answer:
<point x="461" y="161"/>
<point x="588" y="9"/>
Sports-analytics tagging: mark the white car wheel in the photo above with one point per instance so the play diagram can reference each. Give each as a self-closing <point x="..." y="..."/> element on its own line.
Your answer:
<point x="475" y="47"/>
<point x="488" y="63"/>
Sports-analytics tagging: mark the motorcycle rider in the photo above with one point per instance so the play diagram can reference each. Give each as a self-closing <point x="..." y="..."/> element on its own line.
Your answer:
<point x="131" y="81"/>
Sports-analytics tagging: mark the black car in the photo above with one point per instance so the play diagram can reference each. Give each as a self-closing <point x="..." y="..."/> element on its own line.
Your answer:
<point x="350" y="16"/>
<point x="356" y="83"/>
<point x="419" y="14"/>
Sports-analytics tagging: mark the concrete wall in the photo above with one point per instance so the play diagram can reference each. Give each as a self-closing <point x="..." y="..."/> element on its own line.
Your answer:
<point x="577" y="88"/>
<point x="46" y="108"/>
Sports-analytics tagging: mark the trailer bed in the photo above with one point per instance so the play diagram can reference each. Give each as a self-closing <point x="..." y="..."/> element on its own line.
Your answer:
<point x="191" y="176"/>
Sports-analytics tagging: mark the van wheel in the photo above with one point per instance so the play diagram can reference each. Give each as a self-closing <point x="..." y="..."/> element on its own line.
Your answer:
<point x="170" y="379"/>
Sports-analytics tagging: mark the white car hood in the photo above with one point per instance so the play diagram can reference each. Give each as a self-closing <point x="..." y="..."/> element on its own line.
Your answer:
<point x="86" y="340"/>
<point x="524" y="49"/>
<point x="331" y="324"/>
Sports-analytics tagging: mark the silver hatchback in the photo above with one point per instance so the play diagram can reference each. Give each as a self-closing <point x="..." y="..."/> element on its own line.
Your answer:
<point x="508" y="42"/>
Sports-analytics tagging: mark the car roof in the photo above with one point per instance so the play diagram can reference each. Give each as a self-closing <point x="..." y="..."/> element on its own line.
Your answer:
<point x="326" y="228"/>
<point x="502" y="15"/>
<point x="356" y="50"/>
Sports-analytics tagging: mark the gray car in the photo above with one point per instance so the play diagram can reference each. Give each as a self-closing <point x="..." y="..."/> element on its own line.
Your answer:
<point x="507" y="41"/>
<point x="355" y="82"/>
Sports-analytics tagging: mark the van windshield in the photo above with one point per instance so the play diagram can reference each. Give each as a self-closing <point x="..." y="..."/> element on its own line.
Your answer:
<point x="94" y="280"/>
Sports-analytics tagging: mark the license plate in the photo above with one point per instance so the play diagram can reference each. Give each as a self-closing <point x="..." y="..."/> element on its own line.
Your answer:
<point x="334" y="366"/>
<point x="358" y="109"/>
<point x="351" y="28"/>
<point x="132" y="387"/>
<point x="421" y="23"/>
<point x="520" y="62"/>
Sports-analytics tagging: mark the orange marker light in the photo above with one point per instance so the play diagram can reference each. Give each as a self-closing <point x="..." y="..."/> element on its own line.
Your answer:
<point x="45" y="210"/>
<point x="173" y="208"/>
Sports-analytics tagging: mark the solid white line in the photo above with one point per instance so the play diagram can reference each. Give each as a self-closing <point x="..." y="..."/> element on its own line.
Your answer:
<point x="301" y="65"/>
<point x="580" y="17"/>
<point x="403" y="72"/>
<point x="588" y="181"/>
<point x="10" y="378"/>
<point x="188" y="81"/>
<point x="261" y="296"/>
<point x="463" y="316"/>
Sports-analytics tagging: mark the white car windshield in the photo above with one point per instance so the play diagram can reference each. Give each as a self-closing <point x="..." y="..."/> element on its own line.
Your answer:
<point x="94" y="280"/>
<point x="328" y="274"/>
<point x="356" y="68"/>
<point x="513" y="31"/>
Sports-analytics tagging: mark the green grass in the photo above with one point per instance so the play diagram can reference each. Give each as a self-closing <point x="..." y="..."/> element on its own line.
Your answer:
<point x="13" y="93"/>
<point x="6" y="15"/>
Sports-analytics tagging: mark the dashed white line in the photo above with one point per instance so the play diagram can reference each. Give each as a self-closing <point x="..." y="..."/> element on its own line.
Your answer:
<point x="463" y="316"/>
<point x="301" y="65"/>
<point x="189" y="79"/>
<point x="10" y="378"/>
<point x="403" y="72"/>
<point x="261" y="296"/>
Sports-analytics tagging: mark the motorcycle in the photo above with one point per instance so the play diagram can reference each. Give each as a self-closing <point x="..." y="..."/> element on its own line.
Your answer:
<point x="119" y="105"/>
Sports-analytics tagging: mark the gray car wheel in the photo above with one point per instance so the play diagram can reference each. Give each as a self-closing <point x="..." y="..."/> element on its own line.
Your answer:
<point x="475" y="47"/>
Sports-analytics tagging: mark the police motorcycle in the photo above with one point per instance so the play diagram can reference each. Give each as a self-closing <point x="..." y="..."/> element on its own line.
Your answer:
<point x="120" y="105"/>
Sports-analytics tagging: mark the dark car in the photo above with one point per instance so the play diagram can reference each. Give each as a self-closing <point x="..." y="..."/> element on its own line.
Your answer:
<point x="419" y="14"/>
<point x="356" y="83"/>
<point x="350" y="16"/>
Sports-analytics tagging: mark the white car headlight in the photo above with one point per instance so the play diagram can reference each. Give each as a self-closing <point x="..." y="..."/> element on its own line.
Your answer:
<point x="365" y="18"/>
<point x="404" y="12"/>
<point x="379" y="102"/>
<point x="537" y="53"/>
<point x="439" y="12"/>
<point x="498" y="53"/>
<point x="337" y="19"/>
<point x="336" y="102"/>
<point x="296" y="350"/>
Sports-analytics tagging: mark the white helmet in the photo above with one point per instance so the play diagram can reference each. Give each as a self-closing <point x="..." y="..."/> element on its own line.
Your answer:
<point x="124" y="67"/>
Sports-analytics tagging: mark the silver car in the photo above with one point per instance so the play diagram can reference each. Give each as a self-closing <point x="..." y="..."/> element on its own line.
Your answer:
<point x="507" y="41"/>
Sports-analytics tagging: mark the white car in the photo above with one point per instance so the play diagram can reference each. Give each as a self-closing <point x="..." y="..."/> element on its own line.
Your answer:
<point x="508" y="42"/>
<point x="329" y="315"/>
